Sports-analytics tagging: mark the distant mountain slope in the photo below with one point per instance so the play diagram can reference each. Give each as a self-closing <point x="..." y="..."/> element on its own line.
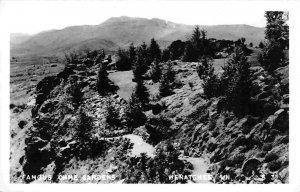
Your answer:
<point x="120" y="32"/>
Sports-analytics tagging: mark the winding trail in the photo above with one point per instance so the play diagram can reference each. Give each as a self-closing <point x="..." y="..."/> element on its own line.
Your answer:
<point x="200" y="167"/>
<point x="140" y="146"/>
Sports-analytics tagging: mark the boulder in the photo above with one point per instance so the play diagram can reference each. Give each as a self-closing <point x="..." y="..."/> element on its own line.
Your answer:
<point x="250" y="166"/>
<point x="279" y="121"/>
<point x="283" y="175"/>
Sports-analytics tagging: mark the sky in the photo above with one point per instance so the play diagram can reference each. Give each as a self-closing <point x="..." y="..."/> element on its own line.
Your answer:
<point x="34" y="16"/>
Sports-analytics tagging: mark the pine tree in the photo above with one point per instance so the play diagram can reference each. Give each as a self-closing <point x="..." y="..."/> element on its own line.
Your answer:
<point x="112" y="116"/>
<point x="206" y="73"/>
<point x="102" y="80"/>
<point x="165" y="88"/>
<point x="134" y="114"/>
<point x="277" y="36"/>
<point x="154" y="51"/>
<point x="261" y="45"/>
<point x="132" y="54"/>
<point x="141" y="93"/>
<point x="189" y="52"/>
<point x="76" y="95"/>
<point x="155" y="71"/>
<point x="165" y="55"/>
<point x="138" y="69"/>
<point x="238" y="83"/>
<point x="176" y="49"/>
<point x="83" y="126"/>
<point x="196" y="36"/>
<point x="123" y="62"/>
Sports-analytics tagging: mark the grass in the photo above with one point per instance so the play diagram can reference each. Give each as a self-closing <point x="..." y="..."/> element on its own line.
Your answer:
<point x="123" y="79"/>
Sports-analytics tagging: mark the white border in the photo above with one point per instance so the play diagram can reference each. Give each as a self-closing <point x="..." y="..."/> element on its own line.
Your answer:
<point x="291" y="6"/>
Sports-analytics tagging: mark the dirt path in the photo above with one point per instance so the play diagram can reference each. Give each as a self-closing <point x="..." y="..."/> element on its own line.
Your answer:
<point x="140" y="146"/>
<point x="200" y="167"/>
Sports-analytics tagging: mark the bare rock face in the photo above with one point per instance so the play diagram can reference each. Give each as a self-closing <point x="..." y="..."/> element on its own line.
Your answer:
<point x="279" y="121"/>
<point x="283" y="175"/>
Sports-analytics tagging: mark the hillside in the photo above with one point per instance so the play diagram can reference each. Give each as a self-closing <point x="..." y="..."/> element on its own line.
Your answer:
<point x="120" y="32"/>
<point x="207" y="139"/>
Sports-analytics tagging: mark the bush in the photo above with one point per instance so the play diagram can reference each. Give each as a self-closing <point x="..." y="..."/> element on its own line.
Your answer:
<point x="267" y="147"/>
<point x="158" y="128"/>
<point x="274" y="165"/>
<point x="123" y="62"/>
<point x="270" y="157"/>
<point x="22" y="124"/>
<point x="236" y="159"/>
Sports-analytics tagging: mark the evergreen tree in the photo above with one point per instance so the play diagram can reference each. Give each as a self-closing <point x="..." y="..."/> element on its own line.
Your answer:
<point x="155" y="71"/>
<point x="138" y="69"/>
<point x="112" y="116"/>
<point x="205" y="72"/>
<point x="176" y="49"/>
<point x="238" y="83"/>
<point x="170" y="73"/>
<point x="154" y="51"/>
<point x="134" y="114"/>
<point x="196" y="36"/>
<point x="277" y="36"/>
<point x="141" y="93"/>
<point x="165" y="55"/>
<point x="83" y="126"/>
<point x="102" y="80"/>
<point x="123" y="61"/>
<point x="166" y="82"/>
<point x="189" y="52"/>
<point x="76" y="95"/>
<point x="132" y="54"/>
<point x="261" y="45"/>
<point x="142" y="61"/>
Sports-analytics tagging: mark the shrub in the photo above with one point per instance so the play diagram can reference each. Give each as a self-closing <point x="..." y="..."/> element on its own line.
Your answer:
<point x="267" y="147"/>
<point x="123" y="61"/>
<point x="274" y="165"/>
<point x="22" y="124"/>
<point x="261" y="154"/>
<point x="270" y="157"/>
<point x="73" y="57"/>
<point x="158" y="128"/>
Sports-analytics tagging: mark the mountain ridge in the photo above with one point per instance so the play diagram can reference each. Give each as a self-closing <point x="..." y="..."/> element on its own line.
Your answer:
<point x="121" y="31"/>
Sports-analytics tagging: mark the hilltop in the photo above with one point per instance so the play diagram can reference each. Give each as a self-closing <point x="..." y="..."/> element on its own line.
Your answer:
<point x="120" y="32"/>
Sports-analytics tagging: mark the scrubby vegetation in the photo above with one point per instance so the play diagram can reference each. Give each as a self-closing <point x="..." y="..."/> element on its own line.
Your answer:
<point x="184" y="106"/>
